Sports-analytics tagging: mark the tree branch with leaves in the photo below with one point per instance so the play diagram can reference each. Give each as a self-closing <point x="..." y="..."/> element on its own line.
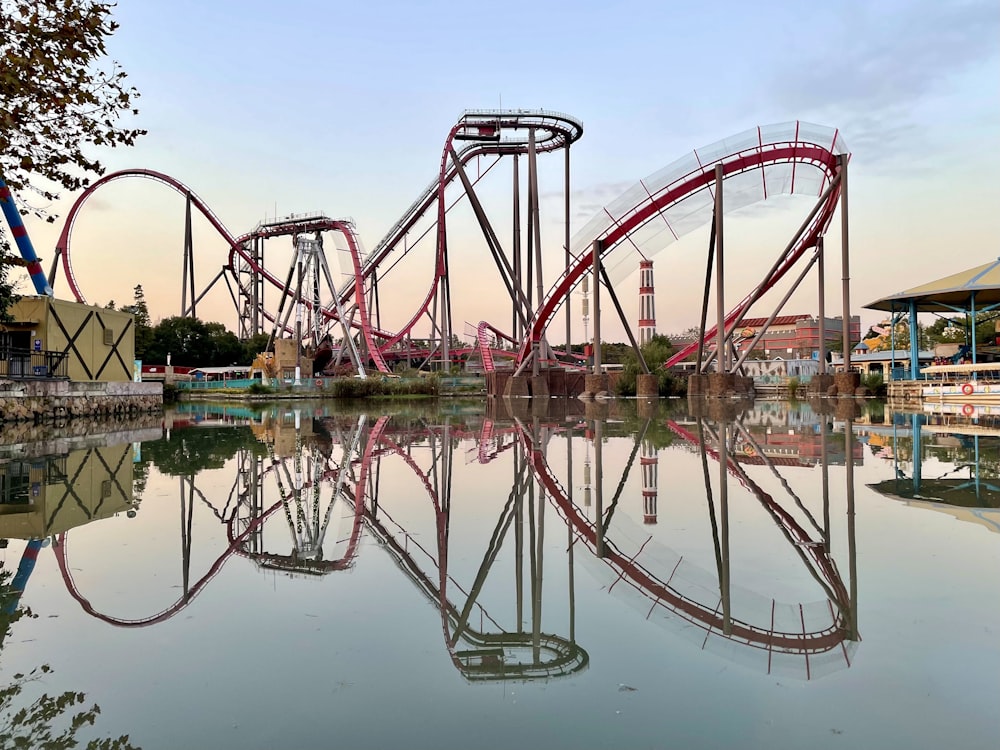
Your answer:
<point x="59" y="96"/>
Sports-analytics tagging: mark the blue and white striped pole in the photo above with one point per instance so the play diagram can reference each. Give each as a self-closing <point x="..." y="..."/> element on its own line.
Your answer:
<point x="23" y="241"/>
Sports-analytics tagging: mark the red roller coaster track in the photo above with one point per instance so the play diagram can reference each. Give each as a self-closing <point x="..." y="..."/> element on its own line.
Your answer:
<point x="495" y="133"/>
<point x="790" y="158"/>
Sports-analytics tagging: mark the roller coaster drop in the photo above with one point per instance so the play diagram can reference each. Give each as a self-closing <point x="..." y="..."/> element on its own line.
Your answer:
<point x="760" y="163"/>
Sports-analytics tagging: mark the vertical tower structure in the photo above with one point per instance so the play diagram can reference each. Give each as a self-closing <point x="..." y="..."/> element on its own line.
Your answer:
<point x="647" y="311"/>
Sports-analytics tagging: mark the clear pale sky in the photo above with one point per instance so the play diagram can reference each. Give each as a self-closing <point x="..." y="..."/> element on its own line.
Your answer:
<point x="296" y="106"/>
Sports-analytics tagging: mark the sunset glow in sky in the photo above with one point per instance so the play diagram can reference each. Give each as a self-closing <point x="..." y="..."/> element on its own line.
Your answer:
<point x="268" y="109"/>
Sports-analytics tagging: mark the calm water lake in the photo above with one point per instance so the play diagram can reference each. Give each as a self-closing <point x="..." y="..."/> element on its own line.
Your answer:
<point x="452" y="576"/>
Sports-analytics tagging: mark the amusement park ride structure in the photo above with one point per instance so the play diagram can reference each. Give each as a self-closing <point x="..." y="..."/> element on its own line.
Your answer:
<point x="696" y="190"/>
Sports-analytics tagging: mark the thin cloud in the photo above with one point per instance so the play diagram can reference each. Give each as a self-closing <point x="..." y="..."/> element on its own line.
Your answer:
<point x="883" y="64"/>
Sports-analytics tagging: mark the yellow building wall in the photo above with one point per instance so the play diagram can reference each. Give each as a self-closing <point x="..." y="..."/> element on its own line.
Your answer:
<point x="94" y="483"/>
<point x="79" y="332"/>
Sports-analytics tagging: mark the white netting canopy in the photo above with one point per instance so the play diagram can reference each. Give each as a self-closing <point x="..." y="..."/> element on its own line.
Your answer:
<point x="790" y="162"/>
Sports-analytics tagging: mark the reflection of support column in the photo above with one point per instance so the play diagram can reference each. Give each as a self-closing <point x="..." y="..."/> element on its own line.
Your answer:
<point x="533" y="573"/>
<point x="187" y="510"/>
<point x="569" y="526"/>
<point x="852" y="550"/>
<point x="599" y="487"/>
<point x="727" y="625"/>
<point x="519" y="542"/>
<point x="649" y="460"/>
<point x="541" y="548"/>
<point x="702" y="448"/>
<point x="917" y="450"/>
<point x="824" y="467"/>
<point x="978" y="483"/>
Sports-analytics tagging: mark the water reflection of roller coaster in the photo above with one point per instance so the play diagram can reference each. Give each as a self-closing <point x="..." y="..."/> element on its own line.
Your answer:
<point x="314" y="485"/>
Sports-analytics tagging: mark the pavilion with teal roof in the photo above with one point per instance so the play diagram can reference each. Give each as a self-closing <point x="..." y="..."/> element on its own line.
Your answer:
<point x="968" y="292"/>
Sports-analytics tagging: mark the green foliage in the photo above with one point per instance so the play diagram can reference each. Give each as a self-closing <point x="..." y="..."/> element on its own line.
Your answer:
<point x="655" y="352"/>
<point x="7" y="295"/>
<point x="194" y="343"/>
<point x="56" y="99"/>
<point x="189" y="451"/>
<point x="375" y="387"/>
<point x="793" y="387"/>
<point x="49" y="722"/>
<point x="254" y="346"/>
<point x="170" y="393"/>
<point x="874" y="383"/>
<point x="59" y="96"/>
<point x="143" y="325"/>
<point x="259" y="389"/>
<point x="955" y="330"/>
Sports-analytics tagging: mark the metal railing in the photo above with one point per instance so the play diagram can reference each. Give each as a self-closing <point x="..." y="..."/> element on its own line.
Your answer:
<point x="25" y="364"/>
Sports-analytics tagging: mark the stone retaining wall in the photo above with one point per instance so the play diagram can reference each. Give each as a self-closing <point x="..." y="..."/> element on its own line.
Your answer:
<point x="41" y="401"/>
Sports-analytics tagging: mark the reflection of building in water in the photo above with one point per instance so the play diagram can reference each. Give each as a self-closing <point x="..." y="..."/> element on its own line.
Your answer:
<point x="802" y="447"/>
<point x="47" y="495"/>
<point x="965" y="459"/>
<point x="648" y="460"/>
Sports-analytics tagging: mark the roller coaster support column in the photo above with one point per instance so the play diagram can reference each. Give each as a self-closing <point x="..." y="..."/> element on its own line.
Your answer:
<point x="720" y="381"/>
<point x="519" y="328"/>
<point x="507" y="274"/>
<point x="22" y="240"/>
<point x="763" y="329"/>
<point x="569" y="312"/>
<point x="821" y="303"/>
<point x="849" y="381"/>
<point x="720" y="302"/>
<point x="697" y="381"/>
<point x="188" y="273"/>
<point x="597" y="381"/>
<point x="822" y="380"/>
<point x="624" y="320"/>
<point x="765" y="284"/>
<point x="536" y="239"/>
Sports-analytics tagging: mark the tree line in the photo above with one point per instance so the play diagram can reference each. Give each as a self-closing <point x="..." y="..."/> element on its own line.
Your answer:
<point x="188" y="341"/>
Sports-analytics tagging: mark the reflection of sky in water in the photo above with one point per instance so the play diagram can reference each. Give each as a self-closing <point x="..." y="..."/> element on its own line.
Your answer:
<point x="268" y="656"/>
